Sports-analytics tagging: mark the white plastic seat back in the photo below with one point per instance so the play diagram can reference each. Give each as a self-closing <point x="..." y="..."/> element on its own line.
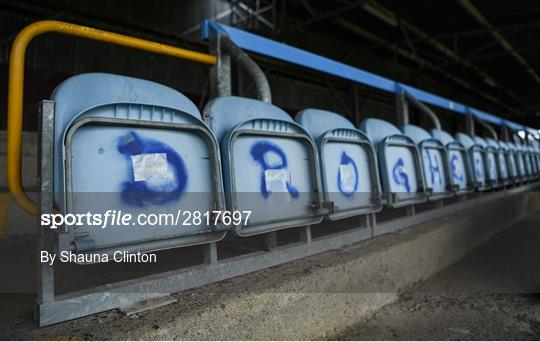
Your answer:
<point x="476" y="159"/>
<point x="349" y="171"/>
<point x="490" y="161"/>
<point x="270" y="165"/>
<point x="460" y="170"/>
<point x="399" y="163"/>
<point x="138" y="147"/>
<point x="434" y="162"/>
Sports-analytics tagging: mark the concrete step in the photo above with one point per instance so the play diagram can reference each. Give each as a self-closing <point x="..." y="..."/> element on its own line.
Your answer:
<point x="311" y="298"/>
<point x="492" y="293"/>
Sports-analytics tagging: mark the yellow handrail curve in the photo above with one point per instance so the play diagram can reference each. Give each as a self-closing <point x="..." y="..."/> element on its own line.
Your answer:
<point x="16" y="86"/>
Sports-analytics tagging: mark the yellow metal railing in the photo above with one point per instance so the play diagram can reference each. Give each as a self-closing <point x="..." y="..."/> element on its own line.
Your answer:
<point x="16" y="86"/>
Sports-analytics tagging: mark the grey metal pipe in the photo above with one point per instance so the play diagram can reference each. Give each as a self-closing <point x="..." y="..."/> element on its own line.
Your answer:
<point x="469" y="124"/>
<point x="488" y="127"/>
<point x="424" y="109"/>
<point x="505" y="133"/>
<point x="249" y="66"/>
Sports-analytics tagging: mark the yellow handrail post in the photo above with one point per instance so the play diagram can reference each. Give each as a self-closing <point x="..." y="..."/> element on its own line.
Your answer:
<point x="16" y="86"/>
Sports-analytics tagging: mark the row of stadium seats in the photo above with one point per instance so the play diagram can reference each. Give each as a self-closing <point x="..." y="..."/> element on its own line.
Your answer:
<point x="140" y="147"/>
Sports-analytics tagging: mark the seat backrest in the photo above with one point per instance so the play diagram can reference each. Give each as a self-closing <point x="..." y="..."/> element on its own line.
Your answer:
<point x="82" y="92"/>
<point x="458" y="160"/>
<point x="417" y="134"/>
<point x="465" y="140"/>
<point x="377" y="129"/>
<point x="537" y="154"/>
<point x="137" y="146"/>
<point x="348" y="163"/>
<point x="491" y="163"/>
<point x="493" y="143"/>
<point x="516" y="153"/>
<point x="266" y="158"/>
<point x="442" y="136"/>
<point x="434" y="160"/>
<point x="510" y="159"/>
<point x="500" y="158"/>
<point x="399" y="162"/>
<point x="318" y="121"/>
<point x="476" y="158"/>
<point x="226" y="112"/>
<point x="480" y="141"/>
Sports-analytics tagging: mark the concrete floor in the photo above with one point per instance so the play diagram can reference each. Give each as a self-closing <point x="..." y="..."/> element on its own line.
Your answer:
<point x="320" y="296"/>
<point x="491" y="294"/>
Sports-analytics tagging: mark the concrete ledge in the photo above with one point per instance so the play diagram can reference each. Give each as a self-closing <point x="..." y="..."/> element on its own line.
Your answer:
<point x="309" y="298"/>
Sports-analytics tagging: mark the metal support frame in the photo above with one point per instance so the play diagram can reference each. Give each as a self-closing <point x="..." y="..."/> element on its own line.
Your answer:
<point x="271" y="240"/>
<point x="469" y="124"/>
<point x="488" y="127"/>
<point x="403" y="98"/>
<point x="220" y="73"/>
<point x="210" y="253"/>
<point x="220" y="77"/>
<point x="402" y="109"/>
<point x="505" y="133"/>
<point x="45" y="271"/>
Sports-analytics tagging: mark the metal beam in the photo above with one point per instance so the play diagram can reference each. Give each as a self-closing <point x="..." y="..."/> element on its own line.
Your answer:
<point x="405" y="25"/>
<point x="323" y="16"/>
<point x="309" y="8"/>
<point x="415" y="58"/>
<point x="475" y="13"/>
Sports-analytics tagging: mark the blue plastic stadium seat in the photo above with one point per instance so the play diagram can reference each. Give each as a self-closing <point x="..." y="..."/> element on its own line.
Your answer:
<point x="476" y="159"/>
<point x="434" y="160"/>
<point x="500" y="160"/>
<point x="528" y="162"/>
<point x="270" y="165"/>
<point x="400" y="166"/>
<point x="135" y="146"/>
<point x="460" y="169"/>
<point x="536" y="151"/>
<point x="518" y="160"/>
<point x="348" y="163"/>
<point x="510" y="161"/>
<point x="531" y="158"/>
<point x="522" y="159"/>
<point x="490" y="161"/>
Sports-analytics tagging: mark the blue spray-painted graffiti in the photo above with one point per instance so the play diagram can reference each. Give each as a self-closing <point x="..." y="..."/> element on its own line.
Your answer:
<point x="271" y="157"/>
<point x="456" y="172"/>
<point x="157" y="189"/>
<point x="400" y="177"/>
<point x="345" y="186"/>
<point x="433" y="166"/>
